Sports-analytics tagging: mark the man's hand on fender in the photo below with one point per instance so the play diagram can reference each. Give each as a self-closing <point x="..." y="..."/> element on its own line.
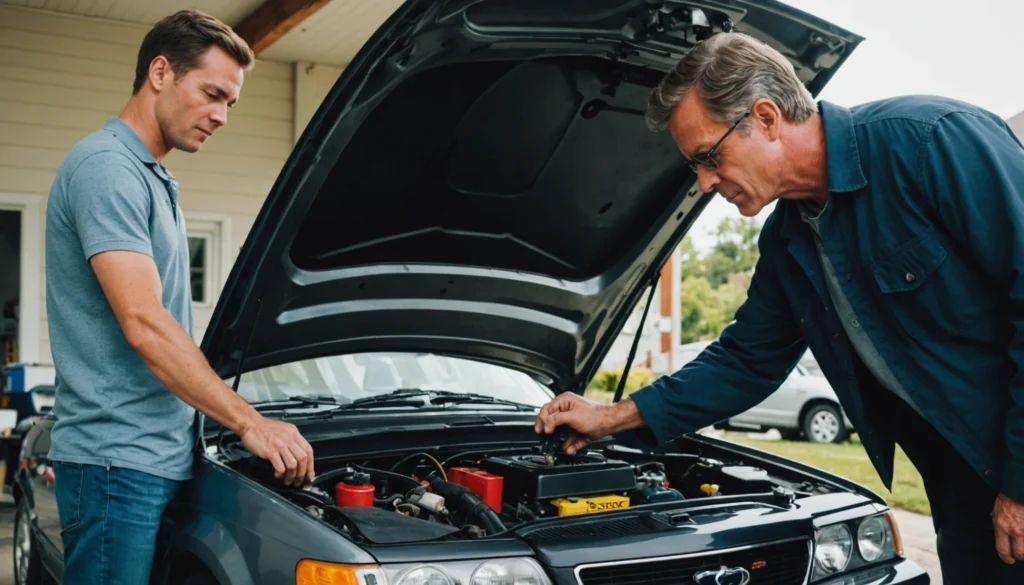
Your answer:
<point x="1008" y="521"/>
<point x="588" y="420"/>
<point x="283" y="446"/>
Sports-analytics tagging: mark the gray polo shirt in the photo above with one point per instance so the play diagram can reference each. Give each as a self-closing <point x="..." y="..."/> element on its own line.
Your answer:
<point x="110" y="193"/>
<point x="859" y="339"/>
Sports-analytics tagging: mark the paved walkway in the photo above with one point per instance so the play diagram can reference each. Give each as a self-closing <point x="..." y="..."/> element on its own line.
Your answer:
<point x="6" y="540"/>
<point x="919" y="542"/>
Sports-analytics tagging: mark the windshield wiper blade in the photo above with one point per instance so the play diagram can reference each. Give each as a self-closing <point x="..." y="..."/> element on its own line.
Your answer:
<point x="316" y="399"/>
<point x="478" y="399"/>
<point x="291" y="402"/>
<point x="262" y="405"/>
<point x="400" y="394"/>
<point x="390" y="400"/>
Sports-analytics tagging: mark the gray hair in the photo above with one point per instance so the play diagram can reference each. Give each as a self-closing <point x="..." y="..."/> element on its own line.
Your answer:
<point x="731" y="71"/>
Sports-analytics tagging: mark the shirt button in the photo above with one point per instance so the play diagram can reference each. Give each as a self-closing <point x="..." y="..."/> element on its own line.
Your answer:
<point x="856" y="323"/>
<point x="835" y="337"/>
<point x="909" y="277"/>
<point x="988" y="473"/>
<point x="849" y="277"/>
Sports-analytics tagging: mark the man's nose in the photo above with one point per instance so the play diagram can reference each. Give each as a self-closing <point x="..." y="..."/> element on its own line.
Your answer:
<point x="220" y="116"/>
<point x="707" y="179"/>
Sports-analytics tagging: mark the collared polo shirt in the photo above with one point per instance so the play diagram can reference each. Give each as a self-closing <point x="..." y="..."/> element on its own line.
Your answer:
<point x="110" y="193"/>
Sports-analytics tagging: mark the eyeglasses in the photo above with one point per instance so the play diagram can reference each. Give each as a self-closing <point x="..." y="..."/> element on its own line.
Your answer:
<point x="706" y="159"/>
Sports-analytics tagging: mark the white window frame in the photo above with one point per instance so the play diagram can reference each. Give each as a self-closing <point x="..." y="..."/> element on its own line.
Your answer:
<point x="30" y="301"/>
<point x="216" y="230"/>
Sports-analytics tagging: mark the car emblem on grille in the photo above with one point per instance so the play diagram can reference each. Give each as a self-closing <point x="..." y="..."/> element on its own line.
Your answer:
<point x="723" y="576"/>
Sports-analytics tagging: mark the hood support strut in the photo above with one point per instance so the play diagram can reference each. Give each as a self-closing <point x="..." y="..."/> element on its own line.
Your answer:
<point x="241" y="364"/>
<point x="636" y="338"/>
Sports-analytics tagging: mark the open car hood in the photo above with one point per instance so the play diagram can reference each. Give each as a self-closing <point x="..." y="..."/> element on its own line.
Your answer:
<point x="480" y="182"/>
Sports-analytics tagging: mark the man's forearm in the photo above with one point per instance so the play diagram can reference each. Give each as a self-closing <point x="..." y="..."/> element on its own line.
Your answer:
<point x="168" y="351"/>
<point x="623" y="416"/>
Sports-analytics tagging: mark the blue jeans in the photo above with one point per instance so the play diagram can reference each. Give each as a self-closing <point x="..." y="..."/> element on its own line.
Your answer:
<point x="109" y="519"/>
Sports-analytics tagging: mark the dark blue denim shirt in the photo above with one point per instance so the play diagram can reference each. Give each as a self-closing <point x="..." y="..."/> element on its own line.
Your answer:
<point x="926" y="232"/>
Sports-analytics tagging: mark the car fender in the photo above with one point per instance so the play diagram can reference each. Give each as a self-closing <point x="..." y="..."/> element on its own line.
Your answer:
<point x="245" y="533"/>
<point x="817" y="390"/>
<point x="215" y="547"/>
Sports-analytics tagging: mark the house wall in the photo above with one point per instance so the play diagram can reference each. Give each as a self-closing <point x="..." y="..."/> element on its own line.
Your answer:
<point x="62" y="76"/>
<point x="312" y="82"/>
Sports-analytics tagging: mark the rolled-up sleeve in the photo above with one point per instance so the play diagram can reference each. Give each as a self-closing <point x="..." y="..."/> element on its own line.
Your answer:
<point x="110" y="205"/>
<point x="972" y="170"/>
<point x="750" y="360"/>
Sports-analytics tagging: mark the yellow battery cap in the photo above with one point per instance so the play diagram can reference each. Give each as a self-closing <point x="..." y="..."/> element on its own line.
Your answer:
<point x="709" y="488"/>
<point x="590" y="505"/>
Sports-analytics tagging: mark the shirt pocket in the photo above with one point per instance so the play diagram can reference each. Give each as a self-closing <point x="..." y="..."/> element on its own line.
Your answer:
<point x="924" y="291"/>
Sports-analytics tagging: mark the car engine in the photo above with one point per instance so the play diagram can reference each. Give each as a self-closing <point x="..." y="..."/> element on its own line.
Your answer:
<point x="429" y="495"/>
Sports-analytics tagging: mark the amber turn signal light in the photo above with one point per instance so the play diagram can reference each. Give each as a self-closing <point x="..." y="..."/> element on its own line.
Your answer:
<point x="897" y="539"/>
<point x="310" y="572"/>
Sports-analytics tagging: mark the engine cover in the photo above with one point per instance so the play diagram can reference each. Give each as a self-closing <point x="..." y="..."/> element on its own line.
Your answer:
<point x="531" y="477"/>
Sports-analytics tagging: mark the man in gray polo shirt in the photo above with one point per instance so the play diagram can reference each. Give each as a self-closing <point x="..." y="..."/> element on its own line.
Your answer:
<point x="129" y="376"/>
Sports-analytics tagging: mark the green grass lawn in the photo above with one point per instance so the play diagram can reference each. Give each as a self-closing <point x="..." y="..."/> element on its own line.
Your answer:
<point x="849" y="460"/>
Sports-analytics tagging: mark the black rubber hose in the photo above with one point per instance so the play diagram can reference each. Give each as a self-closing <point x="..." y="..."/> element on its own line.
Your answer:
<point x="463" y="502"/>
<point x="520" y="512"/>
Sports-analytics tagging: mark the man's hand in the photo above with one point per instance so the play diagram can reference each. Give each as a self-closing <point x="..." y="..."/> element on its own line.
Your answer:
<point x="1008" y="521"/>
<point x="283" y="446"/>
<point x="588" y="420"/>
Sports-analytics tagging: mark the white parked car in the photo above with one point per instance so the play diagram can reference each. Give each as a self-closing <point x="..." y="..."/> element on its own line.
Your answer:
<point x="805" y="406"/>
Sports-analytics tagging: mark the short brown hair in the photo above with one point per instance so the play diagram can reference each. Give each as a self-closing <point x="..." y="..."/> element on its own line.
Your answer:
<point x="183" y="38"/>
<point x="730" y="71"/>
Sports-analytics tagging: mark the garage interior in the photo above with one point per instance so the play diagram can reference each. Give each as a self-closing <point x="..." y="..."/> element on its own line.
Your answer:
<point x="10" y="284"/>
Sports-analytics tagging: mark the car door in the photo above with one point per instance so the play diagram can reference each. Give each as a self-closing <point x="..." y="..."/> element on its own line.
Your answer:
<point x="782" y="407"/>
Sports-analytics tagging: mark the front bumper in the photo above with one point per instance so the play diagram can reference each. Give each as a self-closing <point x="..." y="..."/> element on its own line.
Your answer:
<point x="904" y="572"/>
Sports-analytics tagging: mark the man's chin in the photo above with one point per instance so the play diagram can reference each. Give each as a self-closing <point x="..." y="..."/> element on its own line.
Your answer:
<point x="747" y="208"/>
<point x="189" y="146"/>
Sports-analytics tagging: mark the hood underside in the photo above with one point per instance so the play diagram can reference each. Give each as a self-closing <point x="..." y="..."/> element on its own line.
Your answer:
<point x="480" y="182"/>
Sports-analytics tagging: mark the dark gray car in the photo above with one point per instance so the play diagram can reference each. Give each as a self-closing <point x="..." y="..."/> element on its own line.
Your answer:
<point x="459" y="234"/>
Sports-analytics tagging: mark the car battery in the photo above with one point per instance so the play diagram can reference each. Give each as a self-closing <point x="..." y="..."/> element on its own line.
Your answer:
<point x="591" y="505"/>
<point x="486" y="485"/>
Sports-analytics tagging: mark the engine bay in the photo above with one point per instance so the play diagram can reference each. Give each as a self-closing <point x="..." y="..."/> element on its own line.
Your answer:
<point x="438" y="494"/>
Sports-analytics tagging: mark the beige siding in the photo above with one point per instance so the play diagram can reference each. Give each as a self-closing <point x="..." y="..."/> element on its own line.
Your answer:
<point x="62" y="76"/>
<point x="312" y="83"/>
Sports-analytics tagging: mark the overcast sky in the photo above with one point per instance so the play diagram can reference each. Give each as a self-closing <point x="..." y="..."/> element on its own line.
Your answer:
<point x="973" y="51"/>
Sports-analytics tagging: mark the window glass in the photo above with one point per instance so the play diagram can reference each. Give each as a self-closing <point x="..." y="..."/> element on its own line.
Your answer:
<point x="349" y="377"/>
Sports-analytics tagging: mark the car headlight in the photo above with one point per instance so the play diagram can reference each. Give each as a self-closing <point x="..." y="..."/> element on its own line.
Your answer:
<point x="852" y="545"/>
<point x="424" y="575"/>
<point x="510" y="571"/>
<point x="833" y="548"/>
<point x="872" y="538"/>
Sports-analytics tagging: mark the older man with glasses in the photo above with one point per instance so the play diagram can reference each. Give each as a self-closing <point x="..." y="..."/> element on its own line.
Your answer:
<point x="895" y="253"/>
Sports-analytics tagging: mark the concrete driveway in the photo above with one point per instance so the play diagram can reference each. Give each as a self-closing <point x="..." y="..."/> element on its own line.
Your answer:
<point x="6" y="540"/>
<point x="918" y="540"/>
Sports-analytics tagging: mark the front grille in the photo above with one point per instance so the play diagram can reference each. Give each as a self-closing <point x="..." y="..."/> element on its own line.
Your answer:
<point x="782" y="563"/>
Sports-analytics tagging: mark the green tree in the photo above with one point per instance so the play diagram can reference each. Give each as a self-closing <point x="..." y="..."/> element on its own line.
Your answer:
<point x="735" y="250"/>
<point x="715" y="283"/>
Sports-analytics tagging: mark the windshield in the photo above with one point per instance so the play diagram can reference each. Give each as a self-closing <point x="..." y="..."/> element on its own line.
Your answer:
<point x="350" y="377"/>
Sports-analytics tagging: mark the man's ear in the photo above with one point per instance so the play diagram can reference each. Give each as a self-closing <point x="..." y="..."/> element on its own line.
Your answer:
<point x="161" y="73"/>
<point x="768" y="117"/>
